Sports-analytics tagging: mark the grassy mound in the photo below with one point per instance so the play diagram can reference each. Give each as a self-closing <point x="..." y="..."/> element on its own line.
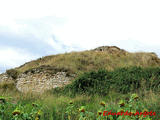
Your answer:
<point x="85" y="61"/>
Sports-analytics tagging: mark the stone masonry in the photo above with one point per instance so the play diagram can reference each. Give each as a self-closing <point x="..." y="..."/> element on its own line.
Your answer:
<point x="37" y="82"/>
<point x="40" y="82"/>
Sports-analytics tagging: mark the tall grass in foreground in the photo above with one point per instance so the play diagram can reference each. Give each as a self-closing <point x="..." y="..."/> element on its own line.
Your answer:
<point x="54" y="107"/>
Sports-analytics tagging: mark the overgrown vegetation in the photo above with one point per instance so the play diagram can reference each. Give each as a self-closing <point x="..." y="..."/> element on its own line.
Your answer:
<point x="19" y="111"/>
<point x="92" y="83"/>
<point x="50" y="107"/>
<point x="122" y="80"/>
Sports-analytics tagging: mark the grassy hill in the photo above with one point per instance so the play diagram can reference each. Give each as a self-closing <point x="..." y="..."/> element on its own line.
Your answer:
<point x="108" y="57"/>
<point x="107" y="78"/>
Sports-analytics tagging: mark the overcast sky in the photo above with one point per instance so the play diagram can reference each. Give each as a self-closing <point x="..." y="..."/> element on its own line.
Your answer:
<point x="34" y="28"/>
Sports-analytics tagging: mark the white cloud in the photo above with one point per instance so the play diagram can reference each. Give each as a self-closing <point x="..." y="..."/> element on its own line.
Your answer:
<point x="131" y="24"/>
<point x="14" y="57"/>
<point x="96" y="21"/>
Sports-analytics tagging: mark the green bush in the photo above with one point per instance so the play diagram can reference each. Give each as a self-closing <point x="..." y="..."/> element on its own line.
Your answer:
<point x="127" y="79"/>
<point x="152" y="76"/>
<point x="92" y="82"/>
<point x="88" y="83"/>
<point x="122" y="80"/>
<point x="134" y="78"/>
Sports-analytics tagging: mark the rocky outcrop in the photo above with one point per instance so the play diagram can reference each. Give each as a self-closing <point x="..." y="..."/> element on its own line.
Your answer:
<point x="111" y="50"/>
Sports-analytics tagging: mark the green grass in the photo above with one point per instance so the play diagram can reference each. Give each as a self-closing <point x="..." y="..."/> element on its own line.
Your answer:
<point x="54" y="107"/>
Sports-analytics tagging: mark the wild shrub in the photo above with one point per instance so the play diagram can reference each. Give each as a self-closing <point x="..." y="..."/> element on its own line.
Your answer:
<point x="92" y="82"/>
<point x="152" y="77"/>
<point x="127" y="79"/>
<point x="130" y="79"/>
<point x="122" y="80"/>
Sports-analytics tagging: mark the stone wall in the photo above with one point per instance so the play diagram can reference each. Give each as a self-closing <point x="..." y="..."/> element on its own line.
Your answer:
<point x="5" y="78"/>
<point x="39" y="82"/>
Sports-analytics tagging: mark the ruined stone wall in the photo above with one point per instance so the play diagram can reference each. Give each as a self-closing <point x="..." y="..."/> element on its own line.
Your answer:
<point x="39" y="82"/>
<point x="5" y="78"/>
<point x="111" y="49"/>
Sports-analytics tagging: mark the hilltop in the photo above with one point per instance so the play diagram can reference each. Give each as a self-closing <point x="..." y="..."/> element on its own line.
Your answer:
<point x="109" y="57"/>
<point x="58" y="70"/>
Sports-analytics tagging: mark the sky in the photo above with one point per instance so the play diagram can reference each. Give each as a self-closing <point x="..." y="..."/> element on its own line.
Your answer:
<point x="30" y="29"/>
